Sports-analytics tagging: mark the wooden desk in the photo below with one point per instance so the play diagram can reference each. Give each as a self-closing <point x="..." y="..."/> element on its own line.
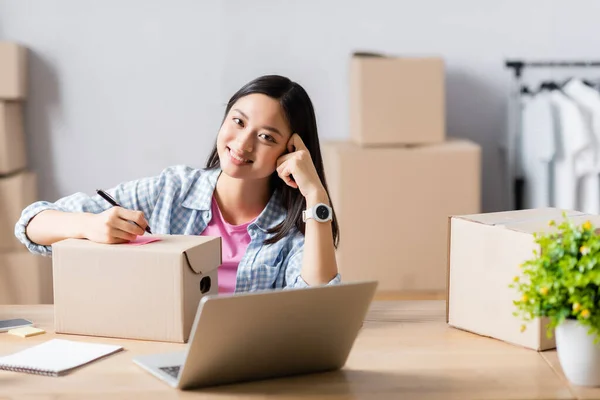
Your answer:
<point x="405" y="350"/>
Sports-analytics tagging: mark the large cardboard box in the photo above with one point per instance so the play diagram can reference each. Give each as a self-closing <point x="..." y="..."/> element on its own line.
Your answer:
<point x="25" y="278"/>
<point x="486" y="251"/>
<point x="148" y="292"/>
<point x="13" y="71"/>
<point x="393" y="206"/>
<point x="13" y="155"/>
<point x="397" y="100"/>
<point x="17" y="191"/>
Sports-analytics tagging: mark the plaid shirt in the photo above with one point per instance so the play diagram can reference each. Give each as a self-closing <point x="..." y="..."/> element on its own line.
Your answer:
<point x="178" y="201"/>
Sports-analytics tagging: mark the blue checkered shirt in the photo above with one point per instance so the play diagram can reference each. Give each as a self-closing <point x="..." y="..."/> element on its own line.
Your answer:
<point x="178" y="201"/>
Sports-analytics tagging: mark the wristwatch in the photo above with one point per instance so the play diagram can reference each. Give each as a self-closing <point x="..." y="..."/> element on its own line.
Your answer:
<point x="319" y="212"/>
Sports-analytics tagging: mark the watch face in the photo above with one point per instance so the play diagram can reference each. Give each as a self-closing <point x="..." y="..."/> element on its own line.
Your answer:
<point x="322" y="212"/>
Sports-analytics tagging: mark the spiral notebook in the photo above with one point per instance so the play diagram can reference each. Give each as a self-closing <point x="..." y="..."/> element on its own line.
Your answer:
<point x="56" y="357"/>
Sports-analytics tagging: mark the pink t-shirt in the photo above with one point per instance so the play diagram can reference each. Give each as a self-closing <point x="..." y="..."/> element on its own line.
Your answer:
<point x="234" y="242"/>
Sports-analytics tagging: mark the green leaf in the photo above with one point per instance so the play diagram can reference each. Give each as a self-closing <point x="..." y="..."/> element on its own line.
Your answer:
<point x="565" y="270"/>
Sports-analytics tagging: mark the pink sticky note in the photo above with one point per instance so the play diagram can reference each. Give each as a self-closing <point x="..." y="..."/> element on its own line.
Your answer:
<point x="141" y="240"/>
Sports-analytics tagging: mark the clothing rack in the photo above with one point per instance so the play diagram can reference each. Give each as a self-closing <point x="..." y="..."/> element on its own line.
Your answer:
<point x="515" y="183"/>
<point x="518" y="65"/>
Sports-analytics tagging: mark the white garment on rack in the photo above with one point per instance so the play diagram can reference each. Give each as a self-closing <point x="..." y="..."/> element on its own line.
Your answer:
<point x="571" y="162"/>
<point x="588" y="100"/>
<point x="538" y="149"/>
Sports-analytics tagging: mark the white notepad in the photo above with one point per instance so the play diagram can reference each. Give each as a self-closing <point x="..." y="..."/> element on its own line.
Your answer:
<point x="55" y="357"/>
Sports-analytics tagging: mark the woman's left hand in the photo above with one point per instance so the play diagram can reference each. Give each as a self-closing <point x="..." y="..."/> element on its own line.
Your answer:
<point x="299" y="165"/>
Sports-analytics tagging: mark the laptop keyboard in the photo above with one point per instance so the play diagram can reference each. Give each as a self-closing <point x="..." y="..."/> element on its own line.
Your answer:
<point x="173" y="371"/>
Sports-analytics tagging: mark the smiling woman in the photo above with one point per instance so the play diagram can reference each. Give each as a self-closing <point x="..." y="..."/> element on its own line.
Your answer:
<point x="260" y="192"/>
<point x="251" y="135"/>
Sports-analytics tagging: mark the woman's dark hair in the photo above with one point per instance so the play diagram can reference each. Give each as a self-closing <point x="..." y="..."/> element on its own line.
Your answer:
<point x="300" y="115"/>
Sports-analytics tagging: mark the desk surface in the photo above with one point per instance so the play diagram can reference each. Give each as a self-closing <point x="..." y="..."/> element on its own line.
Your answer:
<point x="405" y="350"/>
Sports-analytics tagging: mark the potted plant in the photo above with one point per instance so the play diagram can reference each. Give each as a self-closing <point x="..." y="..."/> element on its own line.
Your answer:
<point x="562" y="282"/>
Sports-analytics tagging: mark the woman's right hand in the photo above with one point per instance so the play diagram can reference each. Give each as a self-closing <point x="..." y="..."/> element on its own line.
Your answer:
<point x="115" y="225"/>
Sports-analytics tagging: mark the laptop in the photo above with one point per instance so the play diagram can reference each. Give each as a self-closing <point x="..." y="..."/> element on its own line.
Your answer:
<point x="266" y="334"/>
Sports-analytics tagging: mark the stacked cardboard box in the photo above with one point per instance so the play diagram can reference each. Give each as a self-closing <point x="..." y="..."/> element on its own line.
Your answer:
<point x="24" y="277"/>
<point x="394" y="184"/>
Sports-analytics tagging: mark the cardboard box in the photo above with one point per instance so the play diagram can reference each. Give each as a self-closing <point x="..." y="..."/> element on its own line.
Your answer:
<point x="148" y="292"/>
<point x="486" y="251"/>
<point x="17" y="191"/>
<point x="25" y="278"/>
<point x="13" y="154"/>
<point x="13" y="71"/>
<point x="397" y="100"/>
<point x="393" y="205"/>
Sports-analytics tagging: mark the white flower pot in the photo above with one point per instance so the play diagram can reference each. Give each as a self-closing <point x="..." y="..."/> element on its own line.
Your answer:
<point x="578" y="355"/>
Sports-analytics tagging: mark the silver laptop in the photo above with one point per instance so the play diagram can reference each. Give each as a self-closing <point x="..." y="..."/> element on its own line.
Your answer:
<point x="267" y="334"/>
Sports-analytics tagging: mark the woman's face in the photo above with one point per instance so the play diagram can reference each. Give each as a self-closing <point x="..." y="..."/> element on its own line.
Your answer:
<point x="253" y="136"/>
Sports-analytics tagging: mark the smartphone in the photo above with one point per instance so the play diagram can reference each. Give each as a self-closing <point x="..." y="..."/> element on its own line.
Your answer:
<point x="7" y="324"/>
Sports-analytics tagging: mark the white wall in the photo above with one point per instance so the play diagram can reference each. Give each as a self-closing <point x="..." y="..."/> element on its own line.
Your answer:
<point x="122" y="89"/>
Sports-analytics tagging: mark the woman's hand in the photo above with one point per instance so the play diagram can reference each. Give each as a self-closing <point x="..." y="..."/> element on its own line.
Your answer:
<point x="114" y="225"/>
<point x="297" y="170"/>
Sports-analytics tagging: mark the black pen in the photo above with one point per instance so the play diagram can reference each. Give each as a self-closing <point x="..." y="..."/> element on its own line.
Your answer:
<point x="113" y="202"/>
